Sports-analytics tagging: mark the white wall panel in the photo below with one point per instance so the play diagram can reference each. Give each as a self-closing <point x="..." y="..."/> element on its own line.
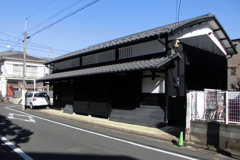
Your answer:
<point x="153" y="86"/>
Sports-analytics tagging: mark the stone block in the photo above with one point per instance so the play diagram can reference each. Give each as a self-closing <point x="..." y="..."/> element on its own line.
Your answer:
<point x="198" y="138"/>
<point x="223" y="143"/>
<point x="234" y="135"/>
<point x="193" y="123"/>
<point x="234" y="128"/>
<point x="224" y="127"/>
<point x="234" y="144"/>
<point x="224" y="134"/>
<point x="68" y="109"/>
<point x="198" y="130"/>
<point x="197" y="124"/>
<point x="204" y="125"/>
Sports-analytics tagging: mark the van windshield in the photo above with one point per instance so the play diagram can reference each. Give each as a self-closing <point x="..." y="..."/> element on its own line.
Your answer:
<point x="40" y="95"/>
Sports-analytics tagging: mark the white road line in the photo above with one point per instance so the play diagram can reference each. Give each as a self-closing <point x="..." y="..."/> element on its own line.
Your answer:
<point x="15" y="149"/>
<point x="29" y="118"/>
<point x="106" y="136"/>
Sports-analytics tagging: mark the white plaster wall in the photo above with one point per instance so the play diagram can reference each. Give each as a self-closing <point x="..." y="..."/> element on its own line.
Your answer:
<point x="8" y="68"/>
<point x="153" y="86"/>
<point x="189" y="109"/>
<point x="40" y="71"/>
<point x="3" y="86"/>
<point x="201" y="29"/>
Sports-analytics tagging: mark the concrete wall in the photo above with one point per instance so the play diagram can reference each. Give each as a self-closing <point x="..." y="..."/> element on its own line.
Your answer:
<point x="18" y="94"/>
<point x="216" y="134"/>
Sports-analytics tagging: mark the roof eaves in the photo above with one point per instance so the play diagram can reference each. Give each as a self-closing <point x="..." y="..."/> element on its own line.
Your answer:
<point x="114" y="68"/>
<point x="201" y="20"/>
<point x="168" y="29"/>
<point x="226" y="35"/>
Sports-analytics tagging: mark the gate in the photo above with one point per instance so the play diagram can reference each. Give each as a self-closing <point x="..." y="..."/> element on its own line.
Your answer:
<point x="177" y="111"/>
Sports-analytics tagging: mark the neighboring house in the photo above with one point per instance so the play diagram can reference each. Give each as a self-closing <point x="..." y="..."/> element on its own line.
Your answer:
<point x="11" y="72"/>
<point x="234" y="68"/>
<point x="143" y="78"/>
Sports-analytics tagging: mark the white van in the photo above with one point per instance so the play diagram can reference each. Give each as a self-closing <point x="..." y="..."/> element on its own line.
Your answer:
<point x="37" y="99"/>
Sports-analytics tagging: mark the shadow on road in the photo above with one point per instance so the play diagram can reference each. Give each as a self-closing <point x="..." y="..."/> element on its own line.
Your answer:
<point x="62" y="156"/>
<point x="50" y="156"/>
<point x="19" y="134"/>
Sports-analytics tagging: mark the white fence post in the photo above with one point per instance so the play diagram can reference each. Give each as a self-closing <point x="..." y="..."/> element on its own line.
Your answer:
<point x="226" y="103"/>
<point x="188" y="109"/>
<point x="188" y="115"/>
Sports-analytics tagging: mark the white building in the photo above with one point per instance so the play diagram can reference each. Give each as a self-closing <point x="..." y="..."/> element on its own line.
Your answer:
<point x="11" y="71"/>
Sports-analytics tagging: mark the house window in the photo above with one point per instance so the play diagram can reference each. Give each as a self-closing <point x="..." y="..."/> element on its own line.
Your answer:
<point x="233" y="71"/>
<point x="31" y="71"/>
<point x="11" y="82"/>
<point x="17" y="70"/>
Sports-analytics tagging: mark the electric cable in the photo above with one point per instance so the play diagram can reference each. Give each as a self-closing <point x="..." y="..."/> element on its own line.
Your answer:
<point x="10" y="35"/>
<point x="179" y="10"/>
<point x="47" y="47"/>
<point x="65" y="17"/>
<point x="40" y="9"/>
<point x="55" y="15"/>
<point x="176" y="20"/>
<point x="33" y="49"/>
<point x="10" y="31"/>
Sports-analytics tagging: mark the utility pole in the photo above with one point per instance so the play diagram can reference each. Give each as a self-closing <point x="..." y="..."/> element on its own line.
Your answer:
<point x="48" y="86"/>
<point x="24" y="66"/>
<point x="50" y="53"/>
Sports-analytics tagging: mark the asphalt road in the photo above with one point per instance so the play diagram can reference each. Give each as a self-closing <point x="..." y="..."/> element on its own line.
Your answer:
<point x="32" y="135"/>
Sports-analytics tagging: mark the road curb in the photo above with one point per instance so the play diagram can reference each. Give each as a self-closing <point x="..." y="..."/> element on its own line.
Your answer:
<point x="172" y="140"/>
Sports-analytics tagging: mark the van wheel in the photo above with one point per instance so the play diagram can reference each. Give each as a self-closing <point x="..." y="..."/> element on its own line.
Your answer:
<point x="31" y="106"/>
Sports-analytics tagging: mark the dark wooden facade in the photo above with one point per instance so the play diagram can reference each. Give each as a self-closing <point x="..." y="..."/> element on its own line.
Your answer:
<point x="201" y="63"/>
<point x="98" y="95"/>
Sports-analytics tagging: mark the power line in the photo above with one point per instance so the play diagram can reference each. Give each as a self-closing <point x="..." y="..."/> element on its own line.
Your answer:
<point x="10" y="35"/>
<point x="2" y="47"/>
<point x="179" y="10"/>
<point x="55" y="15"/>
<point x="9" y="31"/>
<point x="176" y="10"/>
<point x="8" y="41"/>
<point x="65" y="17"/>
<point x="33" y="49"/>
<point x="40" y="9"/>
<point x="45" y="47"/>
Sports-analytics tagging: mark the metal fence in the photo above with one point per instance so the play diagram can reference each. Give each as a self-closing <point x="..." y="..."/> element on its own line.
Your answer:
<point x="220" y="106"/>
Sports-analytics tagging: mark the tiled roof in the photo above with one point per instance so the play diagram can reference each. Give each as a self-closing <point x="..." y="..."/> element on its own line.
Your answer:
<point x="19" y="55"/>
<point x="130" y="38"/>
<point x="114" y="68"/>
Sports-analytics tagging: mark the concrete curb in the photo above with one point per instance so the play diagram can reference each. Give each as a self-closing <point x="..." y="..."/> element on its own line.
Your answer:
<point x="203" y="147"/>
<point x="110" y="126"/>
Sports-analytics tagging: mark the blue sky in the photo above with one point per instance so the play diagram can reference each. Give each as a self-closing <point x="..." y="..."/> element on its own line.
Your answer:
<point x="102" y="21"/>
